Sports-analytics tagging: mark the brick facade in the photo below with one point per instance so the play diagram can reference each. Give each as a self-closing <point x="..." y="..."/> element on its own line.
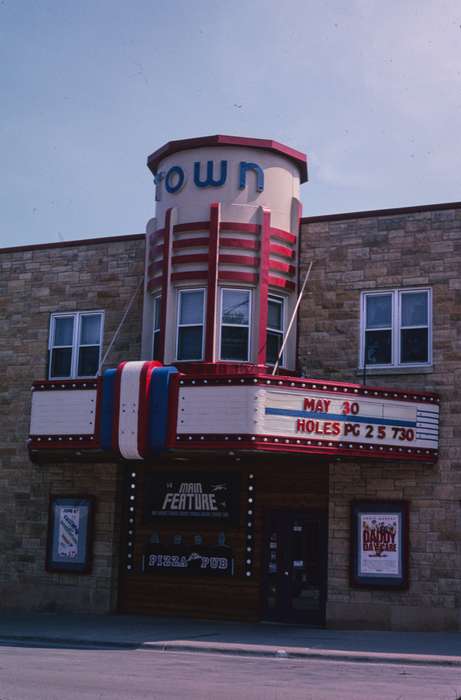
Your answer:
<point x="408" y="248"/>
<point x="34" y="282"/>
<point x="351" y="254"/>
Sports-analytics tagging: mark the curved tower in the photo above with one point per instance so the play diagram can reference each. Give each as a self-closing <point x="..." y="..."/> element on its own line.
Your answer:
<point x="221" y="275"/>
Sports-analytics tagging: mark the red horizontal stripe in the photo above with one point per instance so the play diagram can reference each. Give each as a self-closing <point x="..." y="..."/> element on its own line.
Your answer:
<point x="233" y="276"/>
<point x="245" y="260"/>
<point x="191" y="275"/>
<point x="283" y="235"/>
<point x="282" y="267"/>
<point x="239" y="243"/>
<point x="236" y="226"/>
<point x="192" y="226"/>
<point x="155" y="235"/>
<point x="280" y="282"/>
<point x="180" y="259"/>
<point x="281" y="250"/>
<point x="156" y="251"/>
<point x="155" y="267"/>
<point x="154" y="283"/>
<point x="191" y="243"/>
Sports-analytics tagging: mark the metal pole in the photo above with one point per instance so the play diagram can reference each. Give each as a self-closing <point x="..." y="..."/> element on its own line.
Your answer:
<point x="114" y="337"/>
<point x="293" y="316"/>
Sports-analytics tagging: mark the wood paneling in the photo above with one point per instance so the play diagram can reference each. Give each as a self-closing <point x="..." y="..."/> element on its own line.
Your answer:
<point x="280" y="483"/>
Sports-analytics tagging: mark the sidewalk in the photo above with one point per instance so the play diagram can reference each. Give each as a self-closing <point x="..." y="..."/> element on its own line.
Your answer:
<point x="207" y="636"/>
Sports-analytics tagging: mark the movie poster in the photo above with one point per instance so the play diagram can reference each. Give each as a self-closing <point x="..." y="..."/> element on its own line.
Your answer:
<point x="68" y="532"/>
<point x="380" y="551"/>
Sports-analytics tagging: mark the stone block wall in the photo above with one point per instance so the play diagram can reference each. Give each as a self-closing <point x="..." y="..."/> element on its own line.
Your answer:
<point x="378" y="251"/>
<point x="34" y="282"/>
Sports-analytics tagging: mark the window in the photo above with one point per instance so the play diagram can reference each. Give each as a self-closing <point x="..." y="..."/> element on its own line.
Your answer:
<point x="191" y="305"/>
<point x="75" y="344"/>
<point x="275" y="322"/>
<point x="396" y="328"/>
<point x="235" y="324"/>
<point x="156" y="333"/>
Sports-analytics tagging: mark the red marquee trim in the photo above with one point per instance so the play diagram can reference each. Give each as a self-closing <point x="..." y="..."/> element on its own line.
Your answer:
<point x="282" y="267"/>
<point x="263" y="288"/>
<point x="244" y="260"/>
<point x="64" y="384"/>
<point x="240" y="227"/>
<point x="191" y="243"/>
<point x="116" y="413"/>
<point x="192" y="258"/>
<point x="244" y="243"/>
<point x="282" y="250"/>
<point x="233" y="276"/>
<point x="165" y="282"/>
<point x="298" y="158"/>
<point x="155" y="283"/>
<point x="302" y="445"/>
<point x="192" y="226"/>
<point x="189" y="275"/>
<point x="286" y="236"/>
<point x="305" y="384"/>
<point x="143" y="405"/>
<point x="280" y="282"/>
<point x="215" y="213"/>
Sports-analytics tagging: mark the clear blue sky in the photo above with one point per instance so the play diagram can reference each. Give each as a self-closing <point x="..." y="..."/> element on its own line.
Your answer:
<point x="370" y="90"/>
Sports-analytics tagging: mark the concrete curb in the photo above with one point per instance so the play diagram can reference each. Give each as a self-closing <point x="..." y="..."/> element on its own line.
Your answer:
<point x="232" y="649"/>
<point x="303" y="653"/>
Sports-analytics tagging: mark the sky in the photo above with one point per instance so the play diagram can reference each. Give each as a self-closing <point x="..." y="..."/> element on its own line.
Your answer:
<point x="370" y="90"/>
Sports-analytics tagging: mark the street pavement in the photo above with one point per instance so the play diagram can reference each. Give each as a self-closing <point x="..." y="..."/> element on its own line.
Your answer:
<point x="169" y="634"/>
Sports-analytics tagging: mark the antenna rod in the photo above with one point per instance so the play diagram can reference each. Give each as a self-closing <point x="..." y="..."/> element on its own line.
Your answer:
<point x="293" y="316"/>
<point x="114" y="337"/>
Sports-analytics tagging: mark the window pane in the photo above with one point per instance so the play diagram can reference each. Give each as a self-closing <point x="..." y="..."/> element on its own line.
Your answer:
<point x="274" y="343"/>
<point x="156" y="350"/>
<point x="378" y="349"/>
<point x="90" y="327"/>
<point x="274" y="314"/>
<point x="60" y="362"/>
<point x="191" y="307"/>
<point x="379" y="310"/>
<point x="234" y="343"/>
<point x="235" y="307"/>
<point x="88" y="359"/>
<point x="157" y="313"/>
<point x="190" y="343"/>
<point x="63" y="330"/>
<point x="414" y="345"/>
<point x="414" y="309"/>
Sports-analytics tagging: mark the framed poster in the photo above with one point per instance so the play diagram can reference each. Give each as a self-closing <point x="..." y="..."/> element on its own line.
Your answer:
<point x="379" y="544"/>
<point x="70" y="534"/>
<point x="211" y="496"/>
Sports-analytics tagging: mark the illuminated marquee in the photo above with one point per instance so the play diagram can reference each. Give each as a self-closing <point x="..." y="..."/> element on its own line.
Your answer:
<point x="297" y="416"/>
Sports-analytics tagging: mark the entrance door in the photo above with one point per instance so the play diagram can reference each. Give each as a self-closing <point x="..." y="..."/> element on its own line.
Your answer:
<point x="295" y="566"/>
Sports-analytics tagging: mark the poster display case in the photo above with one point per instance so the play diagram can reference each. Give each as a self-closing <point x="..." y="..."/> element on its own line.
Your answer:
<point x="70" y="534"/>
<point x="379" y="553"/>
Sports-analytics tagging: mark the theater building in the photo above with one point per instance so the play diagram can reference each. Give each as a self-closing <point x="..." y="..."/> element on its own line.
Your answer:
<point x="180" y="438"/>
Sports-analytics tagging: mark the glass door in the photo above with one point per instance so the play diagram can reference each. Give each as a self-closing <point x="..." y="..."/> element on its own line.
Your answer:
<point x="295" y="566"/>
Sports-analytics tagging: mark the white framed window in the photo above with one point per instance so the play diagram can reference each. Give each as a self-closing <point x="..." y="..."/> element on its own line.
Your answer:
<point x="74" y="344"/>
<point x="275" y="328"/>
<point x="156" y="328"/>
<point x="235" y="324"/>
<point x="190" y="335"/>
<point x="396" y="328"/>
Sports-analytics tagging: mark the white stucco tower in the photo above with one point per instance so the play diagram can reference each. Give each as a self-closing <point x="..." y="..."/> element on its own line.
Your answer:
<point x="222" y="266"/>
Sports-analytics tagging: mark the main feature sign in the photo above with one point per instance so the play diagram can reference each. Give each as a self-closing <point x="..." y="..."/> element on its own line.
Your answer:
<point x="211" y="496"/>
